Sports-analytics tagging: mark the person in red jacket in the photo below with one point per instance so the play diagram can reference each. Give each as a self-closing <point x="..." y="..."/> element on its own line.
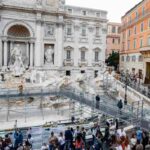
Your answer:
<point x="79" y="144"/>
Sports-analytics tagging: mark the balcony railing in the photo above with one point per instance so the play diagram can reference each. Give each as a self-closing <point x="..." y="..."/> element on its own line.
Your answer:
<point x="140" y="16"/>
<point x="145" y="49"/>
<point x="96" y="63"/>
<point x="68" y="62"/>
<point x="83" y="62"/>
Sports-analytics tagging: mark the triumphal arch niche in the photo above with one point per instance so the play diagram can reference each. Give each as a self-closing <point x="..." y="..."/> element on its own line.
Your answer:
<point x="18" y="46"/>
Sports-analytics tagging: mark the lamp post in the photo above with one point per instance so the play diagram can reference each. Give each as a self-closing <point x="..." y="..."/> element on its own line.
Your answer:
<point x="126" y="87"/>
<point x="125" y="96"/>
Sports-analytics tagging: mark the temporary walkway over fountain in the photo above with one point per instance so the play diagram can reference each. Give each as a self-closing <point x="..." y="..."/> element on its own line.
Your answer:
<point x="106" y="106"/>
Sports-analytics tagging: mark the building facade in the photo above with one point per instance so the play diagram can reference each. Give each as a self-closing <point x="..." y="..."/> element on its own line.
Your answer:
<point x="113" y="38"/>
<point x="52" y="36"/>
<point x="135" y="41"/>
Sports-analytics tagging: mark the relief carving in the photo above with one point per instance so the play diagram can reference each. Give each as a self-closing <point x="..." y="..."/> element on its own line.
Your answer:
<point x="61" y="4"/>
<point x="49" y="30"/>
<point x="39" y="2"/>
<point x="53" y="3"/>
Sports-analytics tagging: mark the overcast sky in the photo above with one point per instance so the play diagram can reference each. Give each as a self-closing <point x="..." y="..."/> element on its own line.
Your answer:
<point x="115" y="8"/>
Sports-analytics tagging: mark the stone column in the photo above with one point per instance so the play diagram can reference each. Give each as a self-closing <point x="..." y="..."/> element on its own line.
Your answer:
<point x="27" y="53"/>
<point x="11" y="45"/>
<point x="0" y="53"/>
<point x="59" y="46"/>
<point x="5" y="53"/>
<point x="38" y="43"/>
<point x="31" y="55"/>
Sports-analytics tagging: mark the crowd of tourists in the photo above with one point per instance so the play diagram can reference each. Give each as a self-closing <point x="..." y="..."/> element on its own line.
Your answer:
<point x="17" y="143"/>
<point x="77" y="139"/>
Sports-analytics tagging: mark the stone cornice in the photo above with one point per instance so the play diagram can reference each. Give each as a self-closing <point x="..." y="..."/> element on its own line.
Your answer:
<point x="84" y="8"/>
<point x="35" y="9"/>
<point x="6" y="38"/>
<point x="56" y="12"/>
<point x="86" y="18"/>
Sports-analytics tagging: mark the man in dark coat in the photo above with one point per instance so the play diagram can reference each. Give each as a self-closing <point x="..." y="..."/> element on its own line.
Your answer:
<point x="68" y="138"/>
<point x="97" y="101"/>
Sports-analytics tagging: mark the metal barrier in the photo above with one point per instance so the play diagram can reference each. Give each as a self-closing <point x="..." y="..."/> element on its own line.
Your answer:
<point x="107" y="105"/>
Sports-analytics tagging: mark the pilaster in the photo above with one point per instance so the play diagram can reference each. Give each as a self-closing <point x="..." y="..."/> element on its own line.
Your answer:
<point x="5" y="53"/>
<point x="38" y="43"/>
<point x="0" y="53"/>
<point x="60" y="43"/>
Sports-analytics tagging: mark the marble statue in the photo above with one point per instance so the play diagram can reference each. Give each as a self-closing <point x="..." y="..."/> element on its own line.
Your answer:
<point x="18" y="66"/>
<point x="61" y="4"/>
<point x="49" y="53"/>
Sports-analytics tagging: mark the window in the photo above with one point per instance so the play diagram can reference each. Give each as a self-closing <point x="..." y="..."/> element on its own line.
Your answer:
<point x="140" y="58"/>
<point x="134" y="44"/>
<point x="82" y="55"/>
<point x="142" y="27"/>
<point x="82" y="71"/>
<point x="97" y="31"/>
<point x="130" y="19"/>
<point x="113" y="29"/>
<point x="83" y="30"/>
<point x="70" y="11"/>
<point x="84" y="12"/>
<point x="113" y="40"/>
<point x="68" y="73"/>
<point x="69" y="29"/>
<point x="149" y="23"/>
<point x="141" y="42"/>
<point x="96" y="56"/>
<point x="96" y="73"/>
<point x="148" y="42"/>
<point x="136" y="15"/>
<point x="133" y="58"/>
<point x="123" y="36"/>
<point x="118" y="41"/>
<point x="129" y="32"/>
<point x="122" y="58"/>
<point x="97" y="14"/>
<point x="119" y="29"/>
<point x="127" y="58"/>
<point x="68" y="54"/>
<point x="143" y="11"/>
<point x="134" y="29"/>
<point x="128" y="45"/>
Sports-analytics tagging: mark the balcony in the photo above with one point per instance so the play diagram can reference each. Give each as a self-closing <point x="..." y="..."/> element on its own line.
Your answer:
<point x="97" y="63"/>
<point x="69" y="38"/>
<point x="68" y="62"/>
<point x="145" y="51"/>
<point x="135" y="20"/>
<point x="83" y="62"/>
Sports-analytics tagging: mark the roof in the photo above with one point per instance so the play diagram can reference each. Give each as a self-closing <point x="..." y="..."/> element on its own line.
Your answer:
<point x="133" y="8"/>
<point x="114" y="23"/>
